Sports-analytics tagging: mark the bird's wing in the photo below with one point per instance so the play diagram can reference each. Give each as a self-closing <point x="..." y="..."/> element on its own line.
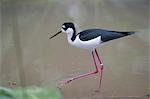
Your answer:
<point x="106" y="35"/>
<point x="89" y="34"/>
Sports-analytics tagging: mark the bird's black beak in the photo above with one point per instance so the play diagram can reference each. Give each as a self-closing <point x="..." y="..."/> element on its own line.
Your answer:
<point x="55" y="34"/>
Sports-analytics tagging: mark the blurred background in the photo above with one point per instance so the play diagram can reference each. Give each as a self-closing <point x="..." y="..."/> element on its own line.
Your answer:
<point x="29" y="58"/>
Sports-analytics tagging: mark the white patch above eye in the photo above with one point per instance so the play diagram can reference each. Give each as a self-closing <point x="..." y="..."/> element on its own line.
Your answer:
<point x="63" y="26"/>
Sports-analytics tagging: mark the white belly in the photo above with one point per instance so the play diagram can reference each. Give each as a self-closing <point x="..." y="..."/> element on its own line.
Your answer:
<point x="91" y="44"/>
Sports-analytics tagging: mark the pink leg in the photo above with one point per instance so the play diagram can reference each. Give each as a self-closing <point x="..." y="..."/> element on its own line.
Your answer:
<point x="82" y="75"/>
<point x="102" y="67"/>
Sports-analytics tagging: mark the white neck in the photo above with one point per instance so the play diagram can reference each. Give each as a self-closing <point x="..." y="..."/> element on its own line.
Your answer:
<point x="69" y="33"/>
<point x="69" y="36"/>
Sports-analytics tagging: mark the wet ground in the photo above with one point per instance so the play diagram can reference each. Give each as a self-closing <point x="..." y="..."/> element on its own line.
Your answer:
<point x="29" y="58"/>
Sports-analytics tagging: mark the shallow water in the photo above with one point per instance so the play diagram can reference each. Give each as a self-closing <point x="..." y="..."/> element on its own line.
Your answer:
<point x="29" y="58"/>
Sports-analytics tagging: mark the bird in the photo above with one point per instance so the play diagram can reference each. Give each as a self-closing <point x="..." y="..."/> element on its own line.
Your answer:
<point x="89" y="39"/>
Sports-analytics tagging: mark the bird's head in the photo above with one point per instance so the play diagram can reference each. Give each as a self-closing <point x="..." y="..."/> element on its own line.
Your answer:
<point x="67" y="27"/>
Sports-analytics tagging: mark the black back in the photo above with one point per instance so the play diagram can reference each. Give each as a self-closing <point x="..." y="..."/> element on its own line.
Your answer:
<point x="106" y="35"/>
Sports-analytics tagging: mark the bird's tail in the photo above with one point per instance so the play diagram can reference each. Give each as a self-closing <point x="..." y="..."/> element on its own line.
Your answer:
<point x="127" y="33"/>
<point x="130" y="33"/>
<point x="116" y="34"/>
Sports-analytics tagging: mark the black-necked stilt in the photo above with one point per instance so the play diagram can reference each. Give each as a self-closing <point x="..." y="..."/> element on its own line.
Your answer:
<point x="89" y="39"/>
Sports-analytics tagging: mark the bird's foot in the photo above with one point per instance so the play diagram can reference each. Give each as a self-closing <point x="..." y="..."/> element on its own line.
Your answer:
<point x="64" y="82"/>
<point x="97" y="90"/>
